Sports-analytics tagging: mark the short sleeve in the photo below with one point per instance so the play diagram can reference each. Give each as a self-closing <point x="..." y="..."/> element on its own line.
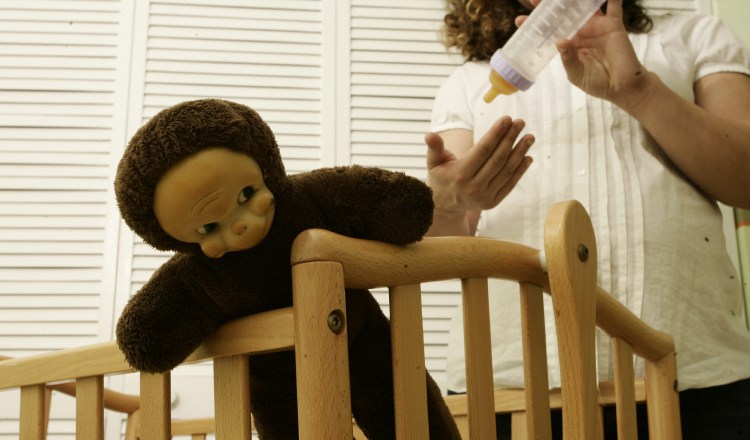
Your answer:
<point x="453" y="105"/>
<point x="709" y="42"/>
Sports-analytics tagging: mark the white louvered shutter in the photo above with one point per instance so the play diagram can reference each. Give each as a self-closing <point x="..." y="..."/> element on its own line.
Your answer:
<point x="397" y="64"/>
<point x="266" y="54"/>
<point x="57" y="93"/>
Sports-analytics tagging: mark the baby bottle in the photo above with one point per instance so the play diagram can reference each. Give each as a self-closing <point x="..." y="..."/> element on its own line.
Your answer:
<point x="532" y="46"/>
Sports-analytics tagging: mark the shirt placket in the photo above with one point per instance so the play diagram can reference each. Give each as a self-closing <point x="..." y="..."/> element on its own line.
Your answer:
<point x="581" y="144"/>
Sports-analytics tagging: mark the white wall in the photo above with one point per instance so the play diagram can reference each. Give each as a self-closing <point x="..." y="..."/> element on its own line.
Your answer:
<point x="736" y="13"/>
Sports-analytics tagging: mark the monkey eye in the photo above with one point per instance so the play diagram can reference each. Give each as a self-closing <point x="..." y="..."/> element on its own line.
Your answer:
<point x="207" y="229"/>
<point x="245" y="195"/>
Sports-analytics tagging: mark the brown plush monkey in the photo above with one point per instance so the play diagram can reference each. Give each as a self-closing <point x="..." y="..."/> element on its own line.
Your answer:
<point x="205" y="179"/>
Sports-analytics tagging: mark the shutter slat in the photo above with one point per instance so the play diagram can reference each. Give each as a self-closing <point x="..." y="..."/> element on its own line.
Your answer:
<point x="20" y="301"/>
<point x="159" y="66"/>
<point x="270" y="9"/>
<point x="185" y="92"/>
<point x="24" y="158"/>
<point x="193" y="79"/>
<point x="55" y="288"/>
<point x="242" y="57"/>
<point x="54" y="328"/>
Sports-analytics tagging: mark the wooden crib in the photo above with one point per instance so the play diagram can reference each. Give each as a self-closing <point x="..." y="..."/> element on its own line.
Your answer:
<point x="323" y="264"/>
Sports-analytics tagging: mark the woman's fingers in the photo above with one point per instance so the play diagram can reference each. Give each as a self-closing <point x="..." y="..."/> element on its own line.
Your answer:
<point x="502" y="169"/>
<point x="478" y="157"/>
<point x="498" y="162"/>
<point x="435" y="150"/>
<point x="506" y="180"/>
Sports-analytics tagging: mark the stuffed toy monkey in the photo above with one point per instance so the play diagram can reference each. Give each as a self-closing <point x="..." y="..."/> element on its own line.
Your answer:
<point x="205" y="179"/>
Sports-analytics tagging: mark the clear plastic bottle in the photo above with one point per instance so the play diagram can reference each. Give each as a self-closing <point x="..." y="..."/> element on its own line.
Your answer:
<point x="532" y="46"/>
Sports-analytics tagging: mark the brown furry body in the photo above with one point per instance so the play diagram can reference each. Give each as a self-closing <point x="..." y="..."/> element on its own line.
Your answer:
<point x="191" y="295"/>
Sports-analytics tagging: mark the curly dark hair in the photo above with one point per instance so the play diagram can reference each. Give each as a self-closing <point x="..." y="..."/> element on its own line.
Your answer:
<point x="477" y="28"/>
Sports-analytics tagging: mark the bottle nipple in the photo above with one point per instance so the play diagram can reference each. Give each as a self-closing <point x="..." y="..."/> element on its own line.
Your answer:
<point x="499" y="86"/>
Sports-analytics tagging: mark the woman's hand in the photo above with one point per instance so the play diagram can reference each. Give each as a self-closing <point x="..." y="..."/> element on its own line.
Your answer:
<point x="601" y="61"/>
<point x="706" y="139"/>
<point x="482" y="176"/>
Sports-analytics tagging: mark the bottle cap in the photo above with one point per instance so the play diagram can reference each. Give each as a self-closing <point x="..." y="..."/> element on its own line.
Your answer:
<point x="498" y="85"/>
<point x="504" y="69"/>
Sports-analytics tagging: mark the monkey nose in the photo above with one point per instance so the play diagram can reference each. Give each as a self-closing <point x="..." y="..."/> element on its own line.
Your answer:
<point x="239" y="227"/>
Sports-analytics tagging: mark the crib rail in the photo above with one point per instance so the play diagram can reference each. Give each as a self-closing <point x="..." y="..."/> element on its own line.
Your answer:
<point x="323" y="264"/>
<point x="228" y="347"/>
<point x="566" y="268"/>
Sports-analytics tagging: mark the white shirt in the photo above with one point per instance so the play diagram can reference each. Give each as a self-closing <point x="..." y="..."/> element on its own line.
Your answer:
<point x="660" y="241"/>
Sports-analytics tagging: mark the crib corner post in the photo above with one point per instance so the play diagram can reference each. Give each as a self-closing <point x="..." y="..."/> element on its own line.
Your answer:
<point x="570" y="248"/>
<point x="321" y="351"/>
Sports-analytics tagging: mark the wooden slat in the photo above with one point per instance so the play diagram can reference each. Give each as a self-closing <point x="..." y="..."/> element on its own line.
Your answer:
<point x="663" y="401"/>
<point x="513" y="400"/>
<point x="133" y="426"/>
<point x="537" y="421"/>
<point x="462" y="422"/>
<point x="33" y="423"/>
<point x="90" y="408"/>
<point x="232" y="397"/>
<point x="478" y="347"/>
<point x="323" y="393"/>
<point x="155" y="406"/>
<point x="47" y="408"/>
<point x="627" y="426"/>
<point x="519" y="426"/>
<point x="192" y="426"/>
<point x="409" y="374"/>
